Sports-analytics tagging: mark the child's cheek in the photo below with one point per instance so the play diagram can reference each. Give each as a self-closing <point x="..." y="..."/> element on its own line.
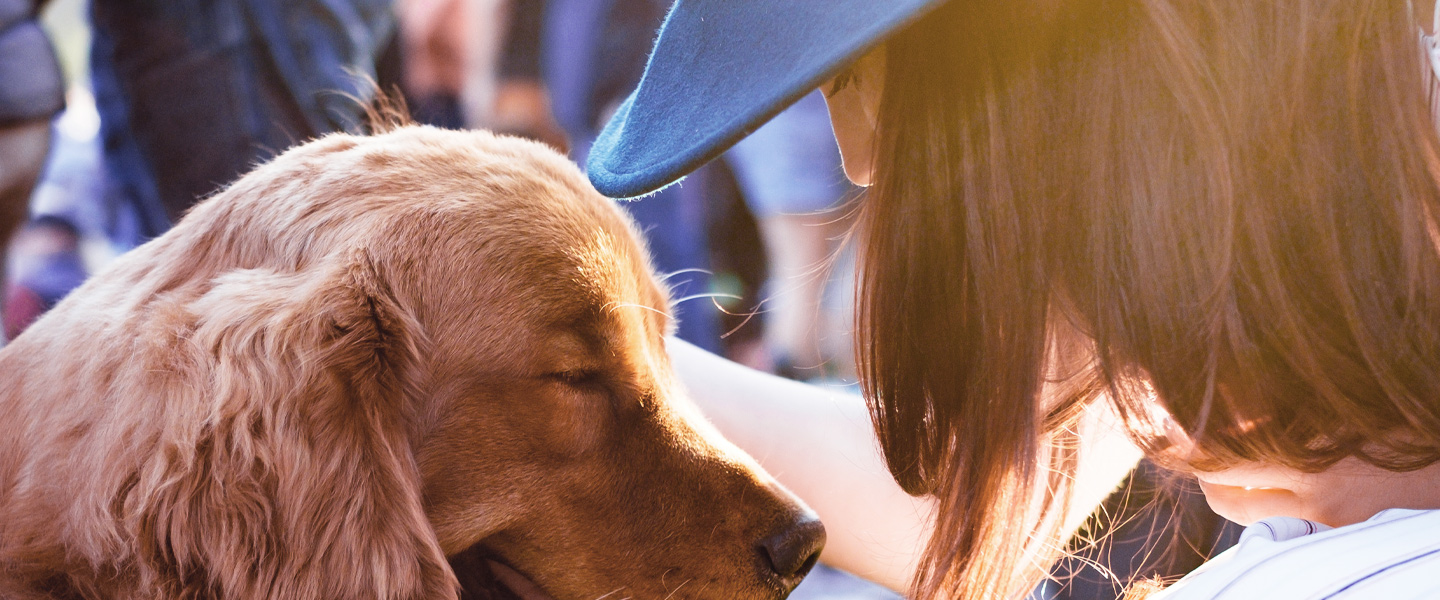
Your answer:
<point x="1246" y="506"/>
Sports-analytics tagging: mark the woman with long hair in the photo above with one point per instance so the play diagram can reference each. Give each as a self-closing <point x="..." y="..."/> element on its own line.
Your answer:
<point x="1215" y="223"/>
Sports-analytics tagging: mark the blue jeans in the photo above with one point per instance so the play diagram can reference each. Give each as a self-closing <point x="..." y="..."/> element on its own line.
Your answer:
<point x="192" y="93"/>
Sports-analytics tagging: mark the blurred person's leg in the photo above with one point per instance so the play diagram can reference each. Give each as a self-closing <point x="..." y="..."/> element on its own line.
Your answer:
<point x="837" y="312"/>
<point x="790" y="173"/>
<point x="200" y="104"/>
<point x="592" y="54"/>
<point x="674" y="222"/>
<point x="801" y="250"/>
<point x="519" y="102"/>
<point x="435" y="57"/>
<point x="23" y="148"/>
<point x="134" y="212"/>
<point x="31" y="92"/>
<point x="570" y="52"/>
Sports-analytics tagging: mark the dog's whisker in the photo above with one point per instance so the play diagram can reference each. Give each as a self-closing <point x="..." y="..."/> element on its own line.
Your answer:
<point x="748" y="316"/>
<point x="711" y="295"/>
<point x="610" y="593"/>
<point x="757" y="310"/>
<point x="610" y="307"/>
<point x="666" y="277"/>
<point x="677" y="588"/>
<point x="714" y="301"/>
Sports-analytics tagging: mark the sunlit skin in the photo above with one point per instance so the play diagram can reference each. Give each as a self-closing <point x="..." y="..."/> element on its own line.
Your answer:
<point x="854" y="110"/>
<point x="1347" y="493"/>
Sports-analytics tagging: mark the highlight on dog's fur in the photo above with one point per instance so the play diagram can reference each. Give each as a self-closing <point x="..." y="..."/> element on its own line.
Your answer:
<point x="369" y="355"/>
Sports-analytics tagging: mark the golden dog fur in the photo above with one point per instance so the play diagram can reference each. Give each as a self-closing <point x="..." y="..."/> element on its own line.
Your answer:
<point x="369" y="355"/>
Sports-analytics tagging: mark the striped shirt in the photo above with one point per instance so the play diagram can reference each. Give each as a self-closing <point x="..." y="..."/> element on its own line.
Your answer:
<point x="1394" y="555"/>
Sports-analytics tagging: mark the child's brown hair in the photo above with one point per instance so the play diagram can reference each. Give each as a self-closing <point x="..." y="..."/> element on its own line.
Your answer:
<point x="1226" y="205"/>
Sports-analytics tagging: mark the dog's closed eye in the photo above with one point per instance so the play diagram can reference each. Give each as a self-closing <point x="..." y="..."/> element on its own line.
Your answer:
<point x="578" y="377"/>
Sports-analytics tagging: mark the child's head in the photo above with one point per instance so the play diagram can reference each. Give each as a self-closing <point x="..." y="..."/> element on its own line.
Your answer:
<point x="1231" y="205"/>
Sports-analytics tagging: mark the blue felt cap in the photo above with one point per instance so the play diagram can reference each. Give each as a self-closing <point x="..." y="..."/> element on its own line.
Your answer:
<point x="720" y="70"/>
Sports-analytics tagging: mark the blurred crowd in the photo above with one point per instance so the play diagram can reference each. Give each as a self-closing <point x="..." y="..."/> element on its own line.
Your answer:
<point x="154" y="104"/>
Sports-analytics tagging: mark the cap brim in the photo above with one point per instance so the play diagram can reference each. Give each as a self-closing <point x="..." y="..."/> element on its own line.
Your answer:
<point x="720" y="70"/>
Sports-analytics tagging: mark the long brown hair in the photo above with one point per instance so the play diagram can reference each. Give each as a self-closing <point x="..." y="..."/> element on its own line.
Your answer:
<point x="1226" y="206"/>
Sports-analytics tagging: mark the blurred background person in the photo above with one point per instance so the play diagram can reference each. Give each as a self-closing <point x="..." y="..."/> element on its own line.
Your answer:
<point x="790" y="176"/>
<point x="192" y="93"/>
<point x="444" y="45"/>
<point x="32" y="91"/>
<point x="475" y="64"/>
<point x="187" y="95"/>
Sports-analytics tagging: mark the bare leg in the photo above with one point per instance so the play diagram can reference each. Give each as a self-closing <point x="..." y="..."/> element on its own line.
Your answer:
<point x="800" y="249"/>
<point x="22" y="156"/>
<point x="23" y="148"/>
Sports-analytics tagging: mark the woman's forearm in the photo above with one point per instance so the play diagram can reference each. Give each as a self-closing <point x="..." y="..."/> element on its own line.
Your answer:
<point x="820" y="444"/>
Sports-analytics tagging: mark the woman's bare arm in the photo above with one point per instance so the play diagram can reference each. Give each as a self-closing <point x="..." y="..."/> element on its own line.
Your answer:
<point x="820" y="444"/>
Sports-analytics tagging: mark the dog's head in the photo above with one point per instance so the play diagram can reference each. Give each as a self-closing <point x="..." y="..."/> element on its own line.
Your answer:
<point x="560" y="441"/>
<point x="556" y="437"/>
<point x="425" y="344"/>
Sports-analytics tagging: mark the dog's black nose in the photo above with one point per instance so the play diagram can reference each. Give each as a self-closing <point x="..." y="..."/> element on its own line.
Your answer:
<point x="791" y="552"/>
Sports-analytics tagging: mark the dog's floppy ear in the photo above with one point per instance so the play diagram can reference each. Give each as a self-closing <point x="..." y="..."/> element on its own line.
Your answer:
<point x="295" y="477"/>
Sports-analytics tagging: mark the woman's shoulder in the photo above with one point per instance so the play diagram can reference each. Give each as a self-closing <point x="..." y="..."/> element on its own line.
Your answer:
<point x="1394" y="554"/>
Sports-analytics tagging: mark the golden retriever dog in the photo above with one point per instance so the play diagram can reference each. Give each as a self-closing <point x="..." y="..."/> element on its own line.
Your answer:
<point x="366" y="361"/>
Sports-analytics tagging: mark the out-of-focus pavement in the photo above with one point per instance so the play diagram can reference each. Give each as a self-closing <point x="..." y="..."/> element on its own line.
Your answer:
<point x="825" y="583"/>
